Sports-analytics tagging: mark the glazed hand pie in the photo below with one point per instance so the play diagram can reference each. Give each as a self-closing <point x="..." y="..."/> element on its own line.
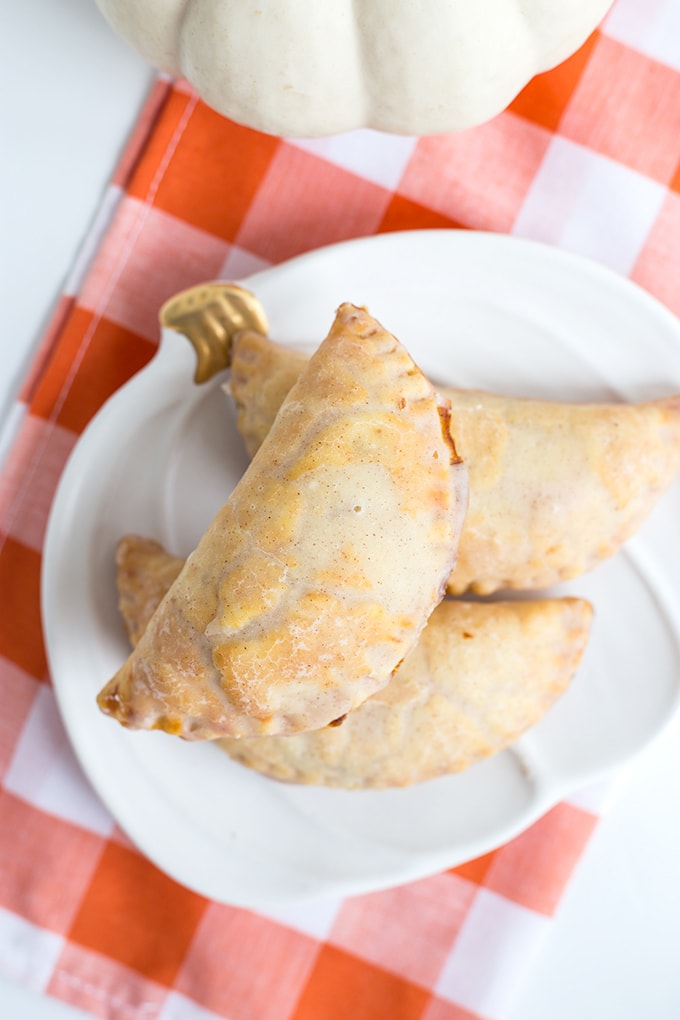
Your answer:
<point x="315" y="579"/>
<point x="480" y="675"/>
<point x="555" y="488"/>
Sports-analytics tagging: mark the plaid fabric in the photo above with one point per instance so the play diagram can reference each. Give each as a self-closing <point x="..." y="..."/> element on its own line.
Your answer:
<point x="586" y="158"/>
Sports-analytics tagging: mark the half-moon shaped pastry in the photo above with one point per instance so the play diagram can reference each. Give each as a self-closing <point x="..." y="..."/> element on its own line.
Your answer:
<point x="555" y="488"/>
<point x="480" y="675"/>
<point x="316" y="577"/>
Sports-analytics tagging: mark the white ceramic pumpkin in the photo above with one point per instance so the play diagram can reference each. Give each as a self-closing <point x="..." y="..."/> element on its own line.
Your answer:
<point x="317" y="67"/>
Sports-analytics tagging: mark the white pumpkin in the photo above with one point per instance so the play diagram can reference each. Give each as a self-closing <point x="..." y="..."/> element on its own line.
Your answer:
<point x="317" y="67"/>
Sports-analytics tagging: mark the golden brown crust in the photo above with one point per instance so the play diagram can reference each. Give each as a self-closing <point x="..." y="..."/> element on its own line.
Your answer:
<point x="555" y="488"/>
<point x="144" y="572"/>
<point x="301" y="597"/>
<point x="480" y="675"/>
<point x="260" y="380"/>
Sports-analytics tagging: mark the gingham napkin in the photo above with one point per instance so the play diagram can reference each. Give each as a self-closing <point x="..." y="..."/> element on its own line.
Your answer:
<point x="587" y="158"/>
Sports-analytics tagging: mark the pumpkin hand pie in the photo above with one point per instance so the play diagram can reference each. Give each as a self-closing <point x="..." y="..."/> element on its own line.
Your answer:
<point x="555" y="488"/>
<point x="315" y="579"/>
<point x="481" y="674"/>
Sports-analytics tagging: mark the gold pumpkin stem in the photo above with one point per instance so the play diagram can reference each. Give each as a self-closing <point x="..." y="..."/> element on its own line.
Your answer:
<point x="210" y="315"/>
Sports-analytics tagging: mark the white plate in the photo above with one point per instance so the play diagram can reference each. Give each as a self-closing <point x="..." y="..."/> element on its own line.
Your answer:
<point x="163" y="454"/>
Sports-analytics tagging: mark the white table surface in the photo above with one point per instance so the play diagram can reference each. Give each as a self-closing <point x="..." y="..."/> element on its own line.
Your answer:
<point x="71" y="92"/>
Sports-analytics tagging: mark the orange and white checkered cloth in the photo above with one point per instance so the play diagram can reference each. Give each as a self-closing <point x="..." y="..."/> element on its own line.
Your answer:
<point x="587" y="158"/>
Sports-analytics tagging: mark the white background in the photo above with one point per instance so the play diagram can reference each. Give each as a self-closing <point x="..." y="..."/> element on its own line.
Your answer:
<point x="71" y="92"/>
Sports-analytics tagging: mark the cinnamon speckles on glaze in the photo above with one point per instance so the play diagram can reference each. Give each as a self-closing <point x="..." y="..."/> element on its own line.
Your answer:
<point x="295" y="607"/>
